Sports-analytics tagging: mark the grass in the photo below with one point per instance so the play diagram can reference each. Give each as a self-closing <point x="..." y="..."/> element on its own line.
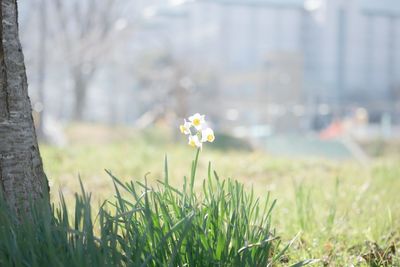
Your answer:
<point x="148" y="226"/>
<point x="345" y="214"/>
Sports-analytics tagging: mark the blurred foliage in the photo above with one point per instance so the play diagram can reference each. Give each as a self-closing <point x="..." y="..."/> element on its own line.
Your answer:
<point x="228" y="142"/>
<point x="382" y="148"/>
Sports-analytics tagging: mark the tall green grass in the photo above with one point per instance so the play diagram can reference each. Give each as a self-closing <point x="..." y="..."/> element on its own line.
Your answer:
<point x="223" y="225"/>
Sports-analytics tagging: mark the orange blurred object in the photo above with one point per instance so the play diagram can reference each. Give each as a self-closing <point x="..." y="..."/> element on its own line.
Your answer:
<point x="334" y="130"/>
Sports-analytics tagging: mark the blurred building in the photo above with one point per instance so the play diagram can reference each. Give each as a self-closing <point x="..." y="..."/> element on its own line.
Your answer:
<point x="275" y="65"/>
<point x="287" y="62"/>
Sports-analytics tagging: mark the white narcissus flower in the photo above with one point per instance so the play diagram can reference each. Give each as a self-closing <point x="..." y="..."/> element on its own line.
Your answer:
<point x="197" y="130"/>
<point x="185" y="127"/>
<point x="197" y="120"/>
<point x="207" y="135"/>
<point x="194" y="141"/>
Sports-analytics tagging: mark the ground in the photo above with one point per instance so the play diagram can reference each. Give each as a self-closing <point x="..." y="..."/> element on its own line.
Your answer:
<point x="340" y="211"/>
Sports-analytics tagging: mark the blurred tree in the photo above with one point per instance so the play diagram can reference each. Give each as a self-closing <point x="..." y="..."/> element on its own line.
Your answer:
<point x="166" y="83"/>
<point x="87" y="30"/>
<point x="22" y="179"/>
<point x="171" y="87"/>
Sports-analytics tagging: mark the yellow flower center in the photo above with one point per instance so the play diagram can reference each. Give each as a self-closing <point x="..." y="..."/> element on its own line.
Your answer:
<point x="192" y="143"/>
<point x="183" y="128"/>
<point x="210" y="137"/>
<point x="196" y="122"/>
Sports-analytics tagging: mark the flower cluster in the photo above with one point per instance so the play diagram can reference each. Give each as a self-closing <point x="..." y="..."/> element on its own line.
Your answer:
<point x="197" y="130"/>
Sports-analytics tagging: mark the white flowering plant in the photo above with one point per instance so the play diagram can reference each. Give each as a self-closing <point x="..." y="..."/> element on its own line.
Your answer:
<point x="197" y="131"/>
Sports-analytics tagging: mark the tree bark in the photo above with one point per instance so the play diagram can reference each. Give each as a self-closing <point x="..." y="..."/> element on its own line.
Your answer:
<point x="22" y="179"/>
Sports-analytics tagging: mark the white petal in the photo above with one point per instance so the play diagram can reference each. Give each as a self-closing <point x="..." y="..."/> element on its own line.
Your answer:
<point x="194" y="116"/>
<point x="199" y="127"/>
<point x="206" y="133"/>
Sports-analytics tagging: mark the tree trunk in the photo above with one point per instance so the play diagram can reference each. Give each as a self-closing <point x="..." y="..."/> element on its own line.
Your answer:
<point x="80" y="90"/>
<point x="22" y="179"/>
<point x="81" y="79"/>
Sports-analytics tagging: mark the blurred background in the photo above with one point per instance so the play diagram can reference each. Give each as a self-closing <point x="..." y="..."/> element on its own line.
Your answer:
<point x="292" y="77"/>
<point x="303" y="95"/>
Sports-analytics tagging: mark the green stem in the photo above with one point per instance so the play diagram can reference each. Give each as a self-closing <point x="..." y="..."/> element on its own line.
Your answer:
<point x="194" y="168"/>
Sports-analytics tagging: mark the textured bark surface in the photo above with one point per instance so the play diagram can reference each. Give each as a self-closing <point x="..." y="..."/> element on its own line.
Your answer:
<point x="22" y="178"/>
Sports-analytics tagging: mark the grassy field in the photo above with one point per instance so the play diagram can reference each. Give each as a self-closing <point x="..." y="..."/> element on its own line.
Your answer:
<point x="342" y="212"/>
